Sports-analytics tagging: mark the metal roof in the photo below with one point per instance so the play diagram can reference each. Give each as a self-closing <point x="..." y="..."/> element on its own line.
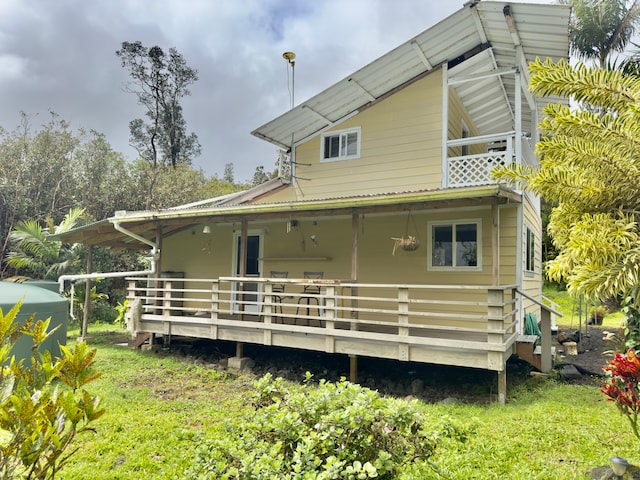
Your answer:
<point x="145" y="223"/>
<point x="483" y="36"/>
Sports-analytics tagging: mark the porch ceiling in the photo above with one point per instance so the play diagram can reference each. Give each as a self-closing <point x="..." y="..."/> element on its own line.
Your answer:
<point x="146" y="224"/>
<point x="530" y="30"/>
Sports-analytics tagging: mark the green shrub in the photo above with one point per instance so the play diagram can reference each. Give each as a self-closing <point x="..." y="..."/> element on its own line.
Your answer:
<point x="326" y="431"/>
<point x="43" y="404"/>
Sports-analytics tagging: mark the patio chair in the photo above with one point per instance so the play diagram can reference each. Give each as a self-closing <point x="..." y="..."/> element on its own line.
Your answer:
<point x="277" y="292"/>
<point x="310" y="294"/>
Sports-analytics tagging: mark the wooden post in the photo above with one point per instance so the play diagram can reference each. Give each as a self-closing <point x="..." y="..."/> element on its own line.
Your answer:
<point x="545" y="340"/>
<point x="355" y="226"/>
<point x="502" y="387"/>
<point x="87" y="296"/>
<point x="239" y="349"/>
<point x="353" y="368"/>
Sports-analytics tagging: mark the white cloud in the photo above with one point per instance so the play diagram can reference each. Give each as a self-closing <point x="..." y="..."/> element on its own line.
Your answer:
<point x="60" y="55"/>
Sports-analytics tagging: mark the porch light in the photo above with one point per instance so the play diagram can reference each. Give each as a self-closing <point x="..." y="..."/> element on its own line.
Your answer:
<point x="619" y="466"/>
<point x="206" y="229"/>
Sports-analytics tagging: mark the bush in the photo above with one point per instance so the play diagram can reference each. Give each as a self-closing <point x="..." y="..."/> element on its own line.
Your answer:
<point x="42" y="403"/>
<point x="326" y="431"/>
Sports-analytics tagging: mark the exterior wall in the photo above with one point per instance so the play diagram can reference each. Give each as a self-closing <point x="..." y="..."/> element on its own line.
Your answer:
<point x="458" y="115"/>
<point x="400" y="147"/>
<point x="293" y="250"/>
<point x="531" y="281"/>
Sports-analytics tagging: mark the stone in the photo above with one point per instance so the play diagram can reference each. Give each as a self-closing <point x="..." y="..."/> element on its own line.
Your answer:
<point x="569" y="372"/>
<point x="240" y="363"/>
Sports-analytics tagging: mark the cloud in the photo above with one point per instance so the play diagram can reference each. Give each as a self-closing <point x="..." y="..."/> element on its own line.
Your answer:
<point x="60" y="56"/>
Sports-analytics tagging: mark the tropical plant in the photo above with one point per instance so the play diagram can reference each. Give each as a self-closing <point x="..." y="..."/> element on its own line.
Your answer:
<point x="623" y="388"/>
<point x="589" y="166"/>
<point x="43" y="403"/>
<point x="35" y="254"/>
<point x="601" y="28"/>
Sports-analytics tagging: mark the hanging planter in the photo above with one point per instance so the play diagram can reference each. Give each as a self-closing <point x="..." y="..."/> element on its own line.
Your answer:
<point x="408" y="243"/>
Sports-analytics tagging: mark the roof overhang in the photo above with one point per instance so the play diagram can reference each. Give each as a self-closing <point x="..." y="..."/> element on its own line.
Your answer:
<point x="482" y="36"/>
<point x="148" y="224"/>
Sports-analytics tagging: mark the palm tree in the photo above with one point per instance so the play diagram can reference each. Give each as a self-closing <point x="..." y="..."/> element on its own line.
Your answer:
<point x="600" y="28"/>
<point x="34" y="253"/>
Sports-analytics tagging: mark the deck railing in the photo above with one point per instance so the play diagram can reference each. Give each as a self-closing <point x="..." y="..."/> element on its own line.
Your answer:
<point x="475" y="169"/>
<point x="429" y="323"/>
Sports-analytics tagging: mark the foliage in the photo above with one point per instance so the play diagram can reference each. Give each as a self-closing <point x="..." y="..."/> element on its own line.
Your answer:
<point x="35" y="254"/>
<point x="329" y="431"/>
<point x="589" y="168"/>
<point x="43" y="403"/>
<point x="623" y="387"/>
<point x="631" y="326"/>
<point x="121" y="309"/>
<point x="600" y="28"/>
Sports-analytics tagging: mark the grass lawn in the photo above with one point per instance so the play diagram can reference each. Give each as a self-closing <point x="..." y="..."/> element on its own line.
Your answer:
<point x="158" y="408"/>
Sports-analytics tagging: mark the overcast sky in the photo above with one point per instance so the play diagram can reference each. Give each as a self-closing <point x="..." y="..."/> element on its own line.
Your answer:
<point x="59" y="55"/>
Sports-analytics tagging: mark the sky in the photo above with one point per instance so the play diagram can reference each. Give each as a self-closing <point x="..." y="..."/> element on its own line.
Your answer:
<point x="59" y="56"/>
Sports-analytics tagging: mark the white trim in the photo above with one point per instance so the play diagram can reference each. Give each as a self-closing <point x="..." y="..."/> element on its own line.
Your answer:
<point x="452" y="268"/>
<point x="340" y="133"/>
<point x="445" y="126"/>
<point x="234" y="259"/>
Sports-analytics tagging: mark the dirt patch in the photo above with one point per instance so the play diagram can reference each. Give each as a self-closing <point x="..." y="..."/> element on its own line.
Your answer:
<point x="430" y="383"/>
<point x="593" y="350"/>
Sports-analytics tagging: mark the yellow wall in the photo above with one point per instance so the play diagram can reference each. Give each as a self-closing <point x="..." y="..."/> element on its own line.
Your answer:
<point x="200" y="255"/>
<point x="400" y="147"/>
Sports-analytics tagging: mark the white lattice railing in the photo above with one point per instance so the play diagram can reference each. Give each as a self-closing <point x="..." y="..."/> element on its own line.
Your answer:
<point x="475" y="169"/>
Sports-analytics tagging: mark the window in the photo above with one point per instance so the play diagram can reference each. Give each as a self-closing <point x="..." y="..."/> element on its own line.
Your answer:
<point x="342" y="145"/>
<point x="530" y="258"/>
<point x="455" y="245"/>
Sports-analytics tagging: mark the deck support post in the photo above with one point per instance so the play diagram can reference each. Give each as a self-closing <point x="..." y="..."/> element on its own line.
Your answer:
<point x="502" y="386"/>
<point x="239" y="349"/>
<point x="353" y="368"/>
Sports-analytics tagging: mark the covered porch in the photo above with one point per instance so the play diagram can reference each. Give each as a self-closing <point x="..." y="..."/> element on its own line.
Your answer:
<point x="402" y="322"/>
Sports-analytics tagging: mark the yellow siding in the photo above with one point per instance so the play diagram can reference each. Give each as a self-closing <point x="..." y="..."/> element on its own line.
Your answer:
<point x="201" y="255"/>
<point x="400" y="147"/>
<point x="457" y="115"/>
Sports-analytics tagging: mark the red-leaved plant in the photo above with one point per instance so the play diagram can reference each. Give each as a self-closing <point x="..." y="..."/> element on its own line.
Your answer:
<point x="624" y="386"/>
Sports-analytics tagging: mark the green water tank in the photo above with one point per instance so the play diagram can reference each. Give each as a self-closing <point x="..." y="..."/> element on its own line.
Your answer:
<point x="41" y="302"/>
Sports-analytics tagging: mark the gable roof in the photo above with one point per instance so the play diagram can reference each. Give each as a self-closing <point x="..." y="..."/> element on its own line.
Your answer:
<point x="483" y="36"/>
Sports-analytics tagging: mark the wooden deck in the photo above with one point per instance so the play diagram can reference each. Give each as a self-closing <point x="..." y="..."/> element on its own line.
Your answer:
<point x="418" y="323"/>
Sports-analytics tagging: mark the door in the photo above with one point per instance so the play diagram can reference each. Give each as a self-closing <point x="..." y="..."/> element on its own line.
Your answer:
<point x="248" y="292"/>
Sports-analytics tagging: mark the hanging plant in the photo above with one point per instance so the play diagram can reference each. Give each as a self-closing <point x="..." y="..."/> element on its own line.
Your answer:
<point x="408" y="243"/>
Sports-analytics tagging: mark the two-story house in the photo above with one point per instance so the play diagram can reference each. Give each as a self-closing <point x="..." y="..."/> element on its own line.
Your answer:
<point x="388" y="238"/>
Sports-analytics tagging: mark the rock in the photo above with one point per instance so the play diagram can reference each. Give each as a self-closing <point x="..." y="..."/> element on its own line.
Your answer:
<point x="569" y="372"/>
<point x="417" y="386"/>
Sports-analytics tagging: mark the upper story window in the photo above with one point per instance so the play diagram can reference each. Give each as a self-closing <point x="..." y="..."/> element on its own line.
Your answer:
<point x="340" y="145"/>
<point x="455" y="245"/>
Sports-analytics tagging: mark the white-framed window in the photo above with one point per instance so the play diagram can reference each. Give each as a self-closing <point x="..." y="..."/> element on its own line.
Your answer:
<point x="530" y="251"/>
<point x="455" y="245"/>
<point x="340" y="145"/>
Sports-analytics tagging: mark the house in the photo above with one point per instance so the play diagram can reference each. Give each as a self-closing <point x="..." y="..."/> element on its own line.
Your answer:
<point x="389" y="238"/>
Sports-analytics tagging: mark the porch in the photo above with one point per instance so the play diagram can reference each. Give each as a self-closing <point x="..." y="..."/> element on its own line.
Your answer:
<point x="469" y="326"/>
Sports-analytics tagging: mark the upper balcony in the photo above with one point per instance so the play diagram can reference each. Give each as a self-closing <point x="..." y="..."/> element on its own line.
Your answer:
<point x="475" y="169"/>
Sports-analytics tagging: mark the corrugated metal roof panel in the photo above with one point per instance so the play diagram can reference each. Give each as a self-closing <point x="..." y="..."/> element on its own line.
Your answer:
<point x="542" y="31"/>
